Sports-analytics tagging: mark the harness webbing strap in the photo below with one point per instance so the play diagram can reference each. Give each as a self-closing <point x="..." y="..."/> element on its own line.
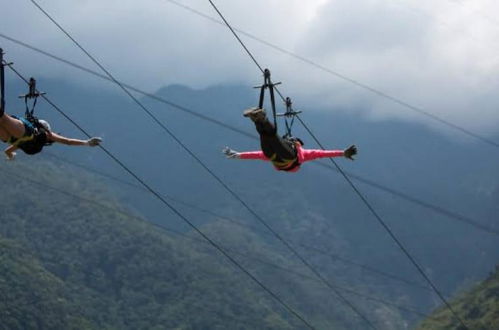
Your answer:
<point x="29" y="113"/>
<point x="262" y="95"/>
<point x="2" y="83"/>
<point x="267" y="83"/>
<point x="289" y="115"/>
<point x="24" y="139"/>
<point x="272" y="101"/>
<point x="289" y="124"/>
<point x="32" y="94"/>
<point x="285" y="164"/>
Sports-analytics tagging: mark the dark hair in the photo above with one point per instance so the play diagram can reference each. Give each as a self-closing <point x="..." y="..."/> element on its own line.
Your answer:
<point x="293" y="139"/>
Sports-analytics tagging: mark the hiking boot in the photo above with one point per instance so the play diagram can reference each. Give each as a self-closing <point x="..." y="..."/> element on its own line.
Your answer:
<point x="255" y="114"/>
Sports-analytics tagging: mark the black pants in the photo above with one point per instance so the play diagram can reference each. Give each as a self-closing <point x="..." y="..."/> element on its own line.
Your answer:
<point x="272" y="144"/>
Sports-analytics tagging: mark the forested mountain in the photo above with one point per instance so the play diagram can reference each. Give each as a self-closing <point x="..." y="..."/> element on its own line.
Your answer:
<point x="478" y="308"/>
<point x="82" y="222"/>
<point x="73" y="259"/>
<point x="33" y="297"/>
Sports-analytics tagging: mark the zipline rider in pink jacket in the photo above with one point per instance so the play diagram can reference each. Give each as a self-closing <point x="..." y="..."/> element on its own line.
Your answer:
<point x="285" y="154"/>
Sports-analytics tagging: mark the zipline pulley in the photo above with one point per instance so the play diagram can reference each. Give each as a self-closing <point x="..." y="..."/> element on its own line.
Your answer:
<point x="289" y="117"/>
<point x="32" y="94"/>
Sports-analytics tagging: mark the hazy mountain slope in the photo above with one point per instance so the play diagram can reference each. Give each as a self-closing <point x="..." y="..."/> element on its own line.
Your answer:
<point x="32" y="297"/>
<point x="314" y="207"/>
<point x="118" y="272"/>
<point x="478" y="308"/>
<point x="121" y="273"/>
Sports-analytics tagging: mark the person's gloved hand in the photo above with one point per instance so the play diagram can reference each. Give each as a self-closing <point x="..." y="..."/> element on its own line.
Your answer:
<point x="230" y="154"/>
<point x="350" y="152"/>
<point x="95" y="141"/>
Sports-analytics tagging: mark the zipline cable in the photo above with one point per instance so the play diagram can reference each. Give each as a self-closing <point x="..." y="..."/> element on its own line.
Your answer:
<point x="197" y="240"/>
<point x="435" y="208"/>
<point x="150" y="95"/>
<point x="388" y="230"/>
<point x="175" y="211"/>
<point x="355" y="82"/>
<point x="293" y="250"/>
<point x="361" y="196"/>
<point x="38" y="301"/>
<point x="2" y="86"/>
<point x="246" y="226"/>
<point x="237" y="37"/>
<point x="163" y="229"/>
<point x="438" y="209"/>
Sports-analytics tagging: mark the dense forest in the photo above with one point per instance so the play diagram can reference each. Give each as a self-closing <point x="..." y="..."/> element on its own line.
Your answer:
<point x="32" y="296"/>
<point x="70" y="261"/>
<point x="74" y="258"/>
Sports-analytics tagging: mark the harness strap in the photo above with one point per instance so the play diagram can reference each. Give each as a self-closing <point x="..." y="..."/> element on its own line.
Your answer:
<point x="289" y="117"/>
<point x="293" y="166"/>
<point x="24" y="139"/>
<point x="284" y="164"/>
<point x="2" y="83"/>
<point x="32" y="94"/>
<point x="30" y="132"/>
<point x="267" y="83"/>
<point x="289" y="109"/>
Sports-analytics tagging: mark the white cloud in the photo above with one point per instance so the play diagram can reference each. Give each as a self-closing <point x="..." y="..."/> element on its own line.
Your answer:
<point x="440" y="56"/>
<point x="421" y="52"/>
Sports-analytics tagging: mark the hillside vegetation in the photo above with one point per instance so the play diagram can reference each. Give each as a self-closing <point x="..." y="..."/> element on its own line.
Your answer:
<point x="72" y="257"/>
<point x="31" y="296"/>
<point x="68" y="262"/>
<point x="110" y="269"/>
<point x="478" y="308"/>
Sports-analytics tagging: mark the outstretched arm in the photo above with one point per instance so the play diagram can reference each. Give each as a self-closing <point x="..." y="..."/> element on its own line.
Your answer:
<point x="232" y="154"/>
<point x="73" y="142"/>
<point x="10" y="152"/>
<point x="253" y="155"/>
<point x="311" y="154"/>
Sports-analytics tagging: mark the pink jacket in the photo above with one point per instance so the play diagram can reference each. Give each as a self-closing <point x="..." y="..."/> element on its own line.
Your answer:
<point x="304" y="155"/>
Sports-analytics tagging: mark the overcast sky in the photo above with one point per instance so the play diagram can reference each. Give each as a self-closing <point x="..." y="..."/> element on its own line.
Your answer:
<point x="440" y="56"/>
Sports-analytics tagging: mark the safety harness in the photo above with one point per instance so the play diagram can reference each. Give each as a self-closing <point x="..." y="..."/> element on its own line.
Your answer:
<point x="289" y="118"/>
<point x="35" y="137"/>
<point x="2" y="84"/>
<point x="39" y="137"/>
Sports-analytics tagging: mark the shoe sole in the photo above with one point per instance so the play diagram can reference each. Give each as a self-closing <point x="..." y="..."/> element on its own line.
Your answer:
<point x="252" y="112"/>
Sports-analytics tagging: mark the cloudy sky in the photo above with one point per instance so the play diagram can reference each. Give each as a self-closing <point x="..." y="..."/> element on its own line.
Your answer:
<point x="439" y="56"/>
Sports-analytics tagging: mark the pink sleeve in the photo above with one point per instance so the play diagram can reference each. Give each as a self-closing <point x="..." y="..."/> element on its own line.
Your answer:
<point x="252" y="155"/>
<point x="311" y="154"/>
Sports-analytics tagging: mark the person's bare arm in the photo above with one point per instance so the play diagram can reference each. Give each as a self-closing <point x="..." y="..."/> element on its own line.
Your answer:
<point x="73" y="142"/>
<point x="10" y="152"/>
